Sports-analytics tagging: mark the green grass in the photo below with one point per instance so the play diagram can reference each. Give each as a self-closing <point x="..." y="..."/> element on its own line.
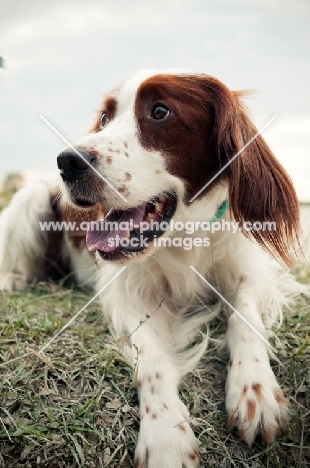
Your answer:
<point x="76" y="406"/>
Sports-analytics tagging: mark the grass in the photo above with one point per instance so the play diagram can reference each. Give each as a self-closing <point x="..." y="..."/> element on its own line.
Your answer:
<point x="76" y="406"/>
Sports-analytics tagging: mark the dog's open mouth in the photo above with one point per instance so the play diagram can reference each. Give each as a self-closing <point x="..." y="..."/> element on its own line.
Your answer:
<point x="123" y="232"/>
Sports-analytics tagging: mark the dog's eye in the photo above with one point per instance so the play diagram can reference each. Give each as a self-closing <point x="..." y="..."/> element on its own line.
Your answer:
<point x="159" y="112"/>
<point x="104" y="119"/>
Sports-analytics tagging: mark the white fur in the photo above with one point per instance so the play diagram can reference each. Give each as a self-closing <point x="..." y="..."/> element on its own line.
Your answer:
<point x="152" y="301"/>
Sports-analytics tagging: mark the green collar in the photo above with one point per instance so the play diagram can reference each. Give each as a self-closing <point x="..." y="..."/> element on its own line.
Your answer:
<point x="220" y="211"/>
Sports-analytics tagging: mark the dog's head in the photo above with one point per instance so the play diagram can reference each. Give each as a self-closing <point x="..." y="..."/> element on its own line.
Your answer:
<point x="160" y="138"/>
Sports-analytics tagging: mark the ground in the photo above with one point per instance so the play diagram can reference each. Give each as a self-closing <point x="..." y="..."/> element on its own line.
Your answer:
<point x="76" y="406"/>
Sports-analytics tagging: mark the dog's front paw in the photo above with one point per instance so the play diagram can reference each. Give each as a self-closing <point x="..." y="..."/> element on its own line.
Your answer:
<point x="255" y="402"/>
<point x="164" y="443"/>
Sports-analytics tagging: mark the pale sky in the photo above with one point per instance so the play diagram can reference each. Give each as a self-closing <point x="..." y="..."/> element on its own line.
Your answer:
<point x="62" y="56"/>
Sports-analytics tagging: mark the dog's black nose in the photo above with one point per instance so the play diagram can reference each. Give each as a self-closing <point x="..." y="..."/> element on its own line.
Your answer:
<point x="72" y="164"/>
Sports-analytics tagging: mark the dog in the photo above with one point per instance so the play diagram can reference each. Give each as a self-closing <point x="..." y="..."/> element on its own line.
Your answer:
<point x="170" y="146"/>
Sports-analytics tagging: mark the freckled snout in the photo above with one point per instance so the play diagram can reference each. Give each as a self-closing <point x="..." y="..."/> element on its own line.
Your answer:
<point x="72" y="165"/>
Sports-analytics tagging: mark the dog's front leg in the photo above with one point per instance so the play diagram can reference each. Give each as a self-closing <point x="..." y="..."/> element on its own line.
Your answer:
<point x="165" y="438"/>
<point x="254" y="401"/>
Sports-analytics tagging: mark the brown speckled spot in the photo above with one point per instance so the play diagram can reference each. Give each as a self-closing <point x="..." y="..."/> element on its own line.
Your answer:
<point x="128" y="176"/>
<point x="157" y="171"/>
<point x="149" y="379"/>
<point x="239" y="363"/>
<point x="154" y="416"/>
<point x="139" y="384"/>
<point x="258" y="389"/>
<point x="251" y="405"/>
<point x="165" y="406"/>
<point x="194" y="455"/>
<point x="126" y="144"/>
<point x="256" y="360"/>
<point x="94" y="152"/>
<point x="158" y="375"/>
<point x="245" y="389"/>
<point x="112" y="150"/>
<point x="182" y="427"/>
<point x="230" y="363"/>
<point x="152" y="390"/>
<point x="147" y="409"/>
<point x="126" y="154"/>
<point x="122" y="189"/>
<point x="109" y="160"/>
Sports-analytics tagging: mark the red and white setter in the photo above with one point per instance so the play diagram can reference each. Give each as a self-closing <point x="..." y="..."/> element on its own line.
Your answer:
<point x="158" y="139"/>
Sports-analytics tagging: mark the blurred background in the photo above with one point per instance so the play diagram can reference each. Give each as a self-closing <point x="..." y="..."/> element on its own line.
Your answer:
<point x="61" y="57"/>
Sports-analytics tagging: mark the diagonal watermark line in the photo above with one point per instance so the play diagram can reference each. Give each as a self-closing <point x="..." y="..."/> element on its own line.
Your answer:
<point x="233" y="158"/>
<point x="80" y="311"/>
<point x="82" y="157"/>
<point x="235" y="310"/>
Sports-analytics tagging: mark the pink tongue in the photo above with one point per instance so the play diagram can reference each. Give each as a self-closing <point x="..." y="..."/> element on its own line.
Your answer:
<point x="101" y="236"/>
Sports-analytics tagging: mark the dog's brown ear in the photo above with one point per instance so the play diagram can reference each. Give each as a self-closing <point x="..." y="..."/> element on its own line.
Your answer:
<point x="260" y="190"/>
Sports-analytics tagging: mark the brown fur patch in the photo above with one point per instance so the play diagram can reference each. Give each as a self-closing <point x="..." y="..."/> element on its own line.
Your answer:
<point x="147" y="409"/>
<point x="154" y="416"/>
<point x="128" y="176"/>
<point x="251" y="406"/>
<point x="109" y="106"/>
<point x="258" y="389"/>
<point x="182" y="428"/>
<point x="206" y="127"/>
<point x="109" y="160"/>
